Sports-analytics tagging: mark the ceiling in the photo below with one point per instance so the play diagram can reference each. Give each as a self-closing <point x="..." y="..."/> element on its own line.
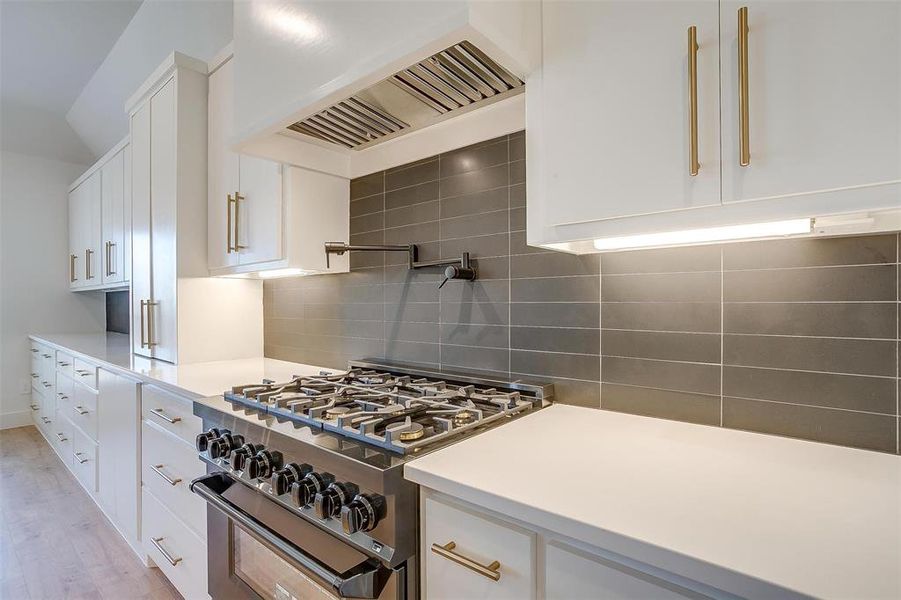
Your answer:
<point x="49" y="50"/>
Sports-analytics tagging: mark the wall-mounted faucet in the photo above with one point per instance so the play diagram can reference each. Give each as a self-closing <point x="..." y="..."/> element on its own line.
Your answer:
<point x="456" y="268"/>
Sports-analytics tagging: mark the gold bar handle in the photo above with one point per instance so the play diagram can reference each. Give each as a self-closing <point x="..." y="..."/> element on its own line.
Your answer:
<point x="693" y="165"/>
<point x="72" y="276"/>
<point x="109" y="258"/>
<point x="158" y="470"/>
<point x="88" y="253"/>
<point x="491" y="571"/>
<point x="238" y="199"/>
<point x="159" y="412"/>
<point x="228" y="225"/>
<point x="143" y="341"/>
<point x="744" y="128"/>
<point x="156" y="544"/>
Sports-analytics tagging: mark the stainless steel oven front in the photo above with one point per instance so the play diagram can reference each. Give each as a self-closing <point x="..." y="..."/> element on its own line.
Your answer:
<point x="258" y="549"/>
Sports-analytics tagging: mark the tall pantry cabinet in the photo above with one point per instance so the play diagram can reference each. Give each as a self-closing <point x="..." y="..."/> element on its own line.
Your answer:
<point x="179" y="313"/>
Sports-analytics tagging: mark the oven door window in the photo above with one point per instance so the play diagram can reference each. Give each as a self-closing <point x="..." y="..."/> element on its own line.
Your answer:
<point x="269" y="575"/>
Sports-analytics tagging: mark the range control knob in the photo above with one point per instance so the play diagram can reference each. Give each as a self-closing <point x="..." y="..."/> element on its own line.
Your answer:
<point x="263" y="463"/>
<point x="239" y="456"/>
<point x="282" y="479"/>
<point x="328" y="502"/>
<point x="203" y="439"/>
<point x="303" y="492"/>
<point x="221" y="446"/>
<point x="363" y="512"/>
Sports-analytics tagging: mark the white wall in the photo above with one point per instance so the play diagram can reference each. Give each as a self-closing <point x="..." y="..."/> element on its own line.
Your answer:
<point x="34" y="295"/>
<point x="196" y="28"/>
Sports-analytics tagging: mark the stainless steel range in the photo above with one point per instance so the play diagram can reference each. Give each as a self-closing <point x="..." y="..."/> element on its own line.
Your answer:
<point x="306" y="476"/>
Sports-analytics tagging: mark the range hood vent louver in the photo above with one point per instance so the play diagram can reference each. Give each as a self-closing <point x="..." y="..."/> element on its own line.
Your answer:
<point x="443" y="85"/>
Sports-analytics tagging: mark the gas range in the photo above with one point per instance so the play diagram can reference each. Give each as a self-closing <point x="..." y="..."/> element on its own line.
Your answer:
<point x="325" y="453"/>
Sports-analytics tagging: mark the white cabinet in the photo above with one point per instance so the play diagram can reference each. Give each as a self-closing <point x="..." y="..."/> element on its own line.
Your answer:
<point x="114" y="205"/>
<point x="177" y="310"/>
<point x="84" y="232"/>
<point x="610" y="127"/>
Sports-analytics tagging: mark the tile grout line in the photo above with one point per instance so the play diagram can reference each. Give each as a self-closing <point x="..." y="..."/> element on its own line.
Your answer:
<point x="722" y="328"/>
<point x="509" y="268"/>
<point x="600" y="331"/>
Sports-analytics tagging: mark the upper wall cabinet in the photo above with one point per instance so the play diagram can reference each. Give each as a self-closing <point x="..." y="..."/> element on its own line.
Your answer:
<point x="99" y="217"/>
<point x="649" y="117"/>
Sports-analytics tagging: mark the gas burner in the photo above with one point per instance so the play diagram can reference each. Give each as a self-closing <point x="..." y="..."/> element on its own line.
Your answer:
<point x="414" y="432"/>
<point x="463" y="417"/>
<point x="335" y="412"/>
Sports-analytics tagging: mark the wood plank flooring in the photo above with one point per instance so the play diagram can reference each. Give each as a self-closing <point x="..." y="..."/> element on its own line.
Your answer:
<point x="55" y="543"/>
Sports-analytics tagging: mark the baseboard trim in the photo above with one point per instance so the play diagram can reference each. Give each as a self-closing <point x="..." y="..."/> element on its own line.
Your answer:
<point x="20" y="418"/>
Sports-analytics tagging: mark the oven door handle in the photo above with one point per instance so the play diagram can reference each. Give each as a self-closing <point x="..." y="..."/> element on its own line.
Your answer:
<point x="366" y="583"/>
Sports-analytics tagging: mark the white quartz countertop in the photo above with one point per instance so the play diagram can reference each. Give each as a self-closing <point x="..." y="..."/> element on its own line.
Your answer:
<point x="813" y="518"/>
<point x="196" y="380"/>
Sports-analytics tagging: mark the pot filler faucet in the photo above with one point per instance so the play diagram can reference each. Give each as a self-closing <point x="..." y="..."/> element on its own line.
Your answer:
<point x="455" y="268"/>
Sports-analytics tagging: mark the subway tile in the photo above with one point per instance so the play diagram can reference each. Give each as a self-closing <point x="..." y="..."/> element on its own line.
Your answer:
<point x="477" y="203"/>
<point x="494" y="291"/>
<point x="669" y="287"/>
<point x="465" y="334"/>
<point x="851" y="392"/>
<point x="412" y="352"/>
<point x="482" y="359"/>
<point x="417" y="213"/>
<point x="371" y="222"/>
<point x="475" y="225"/>
<point x="359" y="277"/>
<point x="848" y="428"/>
<point x="569" y="366"/>
<point x="678" y="406"/>
<point x="555" y="314"/>
<point x="682" y="377"/>
<point x="700" y="317"/>
<point x="555" y="289"/>
<point x="663" y="260"/>
<point x="482" y="246"/>
<point x="368" y="205"/>
<point x="817" y="252"/>
<point x="402" y="273"/>
<point x="517" y="172"/>
<point x="688" y="347"/>
<point x="518" y="195"/>
<point x="517" y="219"/>
<point x="573" y="392"/>
<point x="411" y="332"/>
<point x="362" y="260"/>
<point x="424" y="192"/>
<point x="405" y="176"/>
<point x="863" y="357"/>
<point x="473" y="181"/>
<point x="818" y="319"/>
<point x="519" y="246"/>
<point x="331" y="310"/>
<point x="401" y="293"/>
<point x="497" y="267"/>
<point x="517" y="146"/>
<point x="828" y="284"/>
<point x="425" y="251"/>
<point x="412" y="234"/>
<point x="367" y="185"/>
<point x="553" y="339"/>
<point x="419" y="312"/>
<point x="473" y="158"/>
<point x="555" y="264"/>
<point x="362" y="294"/>
<point x="475" y="313"/>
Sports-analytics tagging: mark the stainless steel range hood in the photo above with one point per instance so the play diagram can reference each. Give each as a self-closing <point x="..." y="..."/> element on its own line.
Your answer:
<point x="451" y="82"/>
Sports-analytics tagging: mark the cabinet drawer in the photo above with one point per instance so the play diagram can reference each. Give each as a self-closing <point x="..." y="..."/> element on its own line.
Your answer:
<point x="61" y="436"/>
<point x="167" y="541"/>
<point x="84" y="410"/>
<point x="172" y="413"/>
<point x="65" y="363"/>
<point x="85" y="373"/>
<point x="476" y="541"/>
<point x="84" y="460"/>
<point x="168" y="467"/>
<point x="65" y="390"/>
<point x="35" y="406"/>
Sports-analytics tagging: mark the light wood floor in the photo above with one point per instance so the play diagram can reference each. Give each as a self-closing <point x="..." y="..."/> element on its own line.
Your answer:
<point x="54" y="541"/>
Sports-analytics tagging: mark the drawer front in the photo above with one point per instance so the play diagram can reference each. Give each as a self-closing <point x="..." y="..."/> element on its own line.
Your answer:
<point x="65" y="363"/>
<point x="84" y="460"/>
<point x="36" y="400"/>
<point x="172" y="413"/>
<point x="166" y="541"/>
<point x="477" y="541"/>
<point x="168" y="466"/>
<point x="65" y="390"/>
<point x="85" y="373"/>
<point x="84" y="410"/>
<point x="61" y="436"/>
<point x="47" y="416"/>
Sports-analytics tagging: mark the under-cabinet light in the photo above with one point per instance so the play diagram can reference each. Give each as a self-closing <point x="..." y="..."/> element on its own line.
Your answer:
<point x="708" y="234"/>
<point x="275" y="273"/>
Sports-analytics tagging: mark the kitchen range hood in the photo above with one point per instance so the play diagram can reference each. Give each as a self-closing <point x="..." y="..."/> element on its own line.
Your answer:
<point x="444" y="85"/>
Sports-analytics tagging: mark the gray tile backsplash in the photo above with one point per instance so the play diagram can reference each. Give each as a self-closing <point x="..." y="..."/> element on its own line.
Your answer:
<point x="797" y="337"/>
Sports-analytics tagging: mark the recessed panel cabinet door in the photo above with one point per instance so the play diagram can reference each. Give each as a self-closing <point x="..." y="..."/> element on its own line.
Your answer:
<point x="140" y="233"/>
<point x="75" y="258"/>
<point x="616" y="115"/>
<point x="223" y="169"/>
<point x="113" y="219"/>
<point x="259" y="211"/>
<point x="824" y="97"/>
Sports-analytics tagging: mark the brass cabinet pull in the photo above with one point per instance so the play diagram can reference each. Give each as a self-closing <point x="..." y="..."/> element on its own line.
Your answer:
<point x="228" y="225"/>
<point x="147" y="342"/>
<point x="109" y="258"/>
<point x="88" y="271"/>
<point x="744" y="128"/>
<point x="238" y="198"/>
<point x="156" y="544"/>
<point x="491" y="571"/>
<point x="157" y="469"/>
<point x="78" y="457"/>
<point x="72" y="276"/>
<point x="143" y="342"/>
<point x="693" y="164"/>
<point x="159" y="412"/>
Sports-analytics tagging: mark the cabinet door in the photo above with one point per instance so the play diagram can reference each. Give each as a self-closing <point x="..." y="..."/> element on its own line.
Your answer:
<point x="574" y="575"/>
<point x="75" y="258"/>
<point x="140" y="230"/>
<point x="259" y="210"/>
<point x="113" y="219"/>
<point x="92" y="209"/>
<point x="162" y="321"/>
<point x="223" y="169"/>
<point x="824" y="92"/>
<point x="614" y="124"/>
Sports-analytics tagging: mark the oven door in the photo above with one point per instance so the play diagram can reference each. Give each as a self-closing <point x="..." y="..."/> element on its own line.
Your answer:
<point x="258" y="549"/>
